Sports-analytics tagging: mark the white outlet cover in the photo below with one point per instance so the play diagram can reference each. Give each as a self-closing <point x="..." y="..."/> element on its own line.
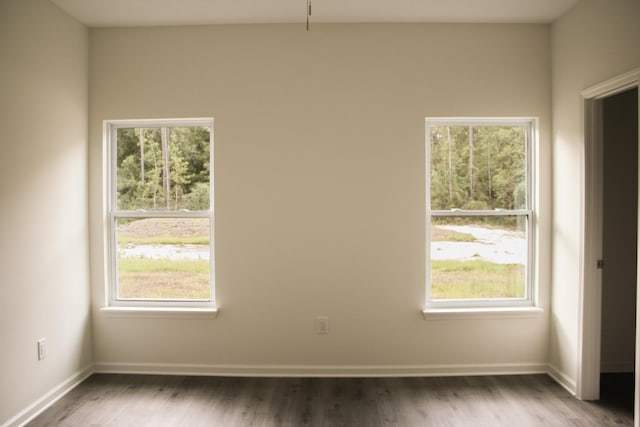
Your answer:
<point x="322" y="325"/>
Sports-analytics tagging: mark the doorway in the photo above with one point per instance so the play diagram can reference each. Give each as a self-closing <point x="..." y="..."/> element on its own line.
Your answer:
<point x="619" y="247"/>
<point x="595" y="348"/>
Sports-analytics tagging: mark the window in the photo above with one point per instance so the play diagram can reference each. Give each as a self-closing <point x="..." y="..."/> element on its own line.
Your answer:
<point x="479" y="216"/>
<point x="160" y="212"/>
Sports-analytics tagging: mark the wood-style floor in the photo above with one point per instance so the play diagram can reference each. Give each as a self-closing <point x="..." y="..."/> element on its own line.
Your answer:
<point x="144" y="400"/>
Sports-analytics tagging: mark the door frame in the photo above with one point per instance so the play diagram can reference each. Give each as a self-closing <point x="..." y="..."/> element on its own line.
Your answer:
<point x="590" y="298"/>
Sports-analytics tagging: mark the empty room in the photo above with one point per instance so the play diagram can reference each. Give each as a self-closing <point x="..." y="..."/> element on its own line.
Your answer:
<point x="293" y="212"/>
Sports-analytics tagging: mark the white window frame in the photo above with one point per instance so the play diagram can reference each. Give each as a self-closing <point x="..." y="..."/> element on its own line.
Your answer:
<point x="110" y="128"/>
<point x="530" y="297"/>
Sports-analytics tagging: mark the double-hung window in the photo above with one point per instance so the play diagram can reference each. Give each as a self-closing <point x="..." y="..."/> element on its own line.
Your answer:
<point x="480" y="217"/>
<point x="160" y="212"/>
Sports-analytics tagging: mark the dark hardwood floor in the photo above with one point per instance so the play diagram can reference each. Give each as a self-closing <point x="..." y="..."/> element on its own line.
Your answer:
<point x="145" y="400"/>
<point x="616" y="390"/>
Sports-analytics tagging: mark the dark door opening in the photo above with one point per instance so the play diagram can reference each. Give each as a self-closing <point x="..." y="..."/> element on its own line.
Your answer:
<point x="620" y="217"/>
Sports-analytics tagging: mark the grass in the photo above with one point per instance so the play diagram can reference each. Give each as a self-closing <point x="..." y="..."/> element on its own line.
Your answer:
<point x="143" y="278"/>
<point x="453" y="279"/>
<point x="164" y="231"/>
<point x="443" y="235"/>
<point x="164" y="240"/>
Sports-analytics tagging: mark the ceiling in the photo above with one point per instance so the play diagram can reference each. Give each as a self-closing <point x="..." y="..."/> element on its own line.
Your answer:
<point x="119" y="13"/>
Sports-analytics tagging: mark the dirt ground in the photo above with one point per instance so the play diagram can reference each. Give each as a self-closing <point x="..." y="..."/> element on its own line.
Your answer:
<point x="158" y="227"/>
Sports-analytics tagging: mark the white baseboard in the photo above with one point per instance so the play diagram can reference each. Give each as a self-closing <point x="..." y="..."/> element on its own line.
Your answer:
<point x="49" y="398"/>
<point x="321" y="371"/>
<point x="563" y="379"/>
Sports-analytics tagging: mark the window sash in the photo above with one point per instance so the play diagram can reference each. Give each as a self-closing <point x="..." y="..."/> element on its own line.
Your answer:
<point x="113" y="260"/>
<point x="466" y="213"/>
<point x="110" y="133"/>
<point x="528" y="297"/>
<point x="530" y="134"/>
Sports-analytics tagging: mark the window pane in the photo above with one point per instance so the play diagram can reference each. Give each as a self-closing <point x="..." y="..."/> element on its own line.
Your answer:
<point x="163" y="168"/>
<point x="478" y="257"/>
<point x="478" y="167"/>
<point x="163" y="258"/>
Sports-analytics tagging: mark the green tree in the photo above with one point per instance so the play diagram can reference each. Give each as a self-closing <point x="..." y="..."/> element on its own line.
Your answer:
<point x="478" y="167"/>
<point x="149" y="177"/>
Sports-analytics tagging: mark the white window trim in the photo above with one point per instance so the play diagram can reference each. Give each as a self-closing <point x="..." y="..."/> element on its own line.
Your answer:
<point x="161" y="312"/>
<point x="481" y="312"/>
<point x="143" y="307"/>
<point x="491" y="306"/>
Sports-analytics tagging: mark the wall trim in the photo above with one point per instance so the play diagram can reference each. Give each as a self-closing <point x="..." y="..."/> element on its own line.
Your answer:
<point x="563" y="379"/>
<point x="321" y="371"/>
<point x="49" y="398"/>
<point x="590" y="286"/>
<point x="613" y="86"/>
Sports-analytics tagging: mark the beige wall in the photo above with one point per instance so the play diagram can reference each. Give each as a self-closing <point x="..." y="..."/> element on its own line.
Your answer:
<point x="319" y="185"/>
<point x="593" y="42"/>
<point x="319" y="178"/>
<point x="44" y="289"/>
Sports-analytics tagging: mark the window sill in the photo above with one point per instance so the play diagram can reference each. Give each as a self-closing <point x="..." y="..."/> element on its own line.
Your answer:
<point x="161" y="312"/>
<point x="481" y="313"/>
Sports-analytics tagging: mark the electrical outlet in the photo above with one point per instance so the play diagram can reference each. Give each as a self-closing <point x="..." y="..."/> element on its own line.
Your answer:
<point x="322" y="325"/>
<point x="41" y="348"/>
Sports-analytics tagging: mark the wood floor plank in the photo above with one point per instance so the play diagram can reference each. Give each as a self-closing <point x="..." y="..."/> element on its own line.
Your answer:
<point x="492" y="401"/>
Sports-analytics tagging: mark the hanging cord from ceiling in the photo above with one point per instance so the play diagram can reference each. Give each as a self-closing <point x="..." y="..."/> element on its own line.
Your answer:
<point x="308" y="13"/>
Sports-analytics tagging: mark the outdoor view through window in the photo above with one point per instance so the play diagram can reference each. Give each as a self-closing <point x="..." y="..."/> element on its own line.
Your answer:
<point x="161" y="211"/>
<point x="479" y="216"/>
